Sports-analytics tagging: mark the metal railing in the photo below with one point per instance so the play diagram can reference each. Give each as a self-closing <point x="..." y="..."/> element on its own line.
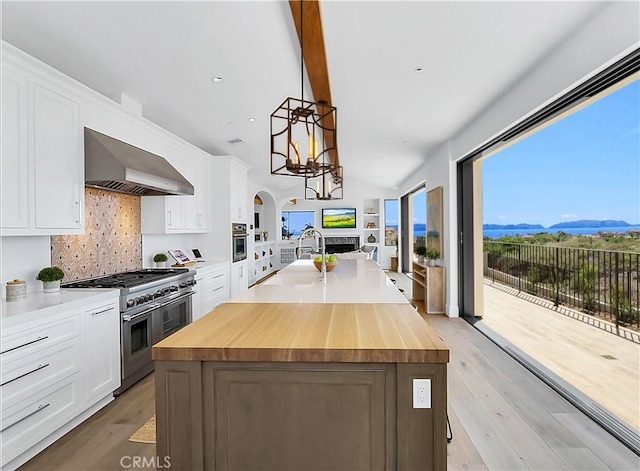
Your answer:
<point x="602" y="282"/>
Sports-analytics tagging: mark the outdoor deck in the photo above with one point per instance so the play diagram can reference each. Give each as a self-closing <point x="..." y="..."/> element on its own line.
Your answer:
<point x="602" y="365"/>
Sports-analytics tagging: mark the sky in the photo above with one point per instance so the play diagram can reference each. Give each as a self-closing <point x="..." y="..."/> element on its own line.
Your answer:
<point x="586" y="166"/>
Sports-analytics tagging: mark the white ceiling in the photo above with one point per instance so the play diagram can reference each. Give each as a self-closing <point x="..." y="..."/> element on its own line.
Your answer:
<point x="164" y="54"/>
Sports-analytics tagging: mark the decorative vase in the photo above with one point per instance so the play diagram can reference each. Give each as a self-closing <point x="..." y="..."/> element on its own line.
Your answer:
<point x="420" y="258"/>
<point x="161" y="264"/>
<point x="51" y="286"/>
<point x="431" y="262"/>
<point x="371" y="239"/>
<point x="265" y="235"/>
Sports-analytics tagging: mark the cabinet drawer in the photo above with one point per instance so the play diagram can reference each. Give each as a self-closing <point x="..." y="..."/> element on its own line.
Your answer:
<point x="27" y="375"/>
<point x="28" y="422"/>
<point x="32" y="340"/>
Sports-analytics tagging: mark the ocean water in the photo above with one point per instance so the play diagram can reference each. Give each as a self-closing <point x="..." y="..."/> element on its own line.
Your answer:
<point x="497" y="233"/>
<point x="419" y="230"/>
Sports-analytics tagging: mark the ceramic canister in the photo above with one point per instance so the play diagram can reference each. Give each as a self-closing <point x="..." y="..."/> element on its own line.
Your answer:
<point x="16" y="290"/>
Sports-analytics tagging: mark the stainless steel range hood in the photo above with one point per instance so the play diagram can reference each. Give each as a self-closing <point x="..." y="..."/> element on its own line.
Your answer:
<point x="114" y="165"/>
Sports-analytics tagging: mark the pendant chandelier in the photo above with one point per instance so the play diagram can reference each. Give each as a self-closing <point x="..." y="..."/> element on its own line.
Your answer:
<point x="303" y="141"/>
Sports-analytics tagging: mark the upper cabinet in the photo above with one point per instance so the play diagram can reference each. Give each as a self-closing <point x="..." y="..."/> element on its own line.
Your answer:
<point x="42" y="164"/>
<point x="238" y="180"/>
<point x="181" y="214"/>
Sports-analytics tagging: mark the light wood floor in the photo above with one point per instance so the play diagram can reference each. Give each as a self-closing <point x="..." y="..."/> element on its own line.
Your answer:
<point x="503" y="418"/>
<point x="602" y="365"/>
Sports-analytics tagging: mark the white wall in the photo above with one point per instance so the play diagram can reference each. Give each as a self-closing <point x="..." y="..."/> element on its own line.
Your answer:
<point x="22" y="258"/>
<point x="605" y="38"/>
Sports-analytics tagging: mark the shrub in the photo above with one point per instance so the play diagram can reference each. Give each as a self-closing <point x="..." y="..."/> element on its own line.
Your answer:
<point x="160" y="257"/>
<point x="421" y="250"/>
<point x="432" y="254"/>
<point x="49" y="274"/>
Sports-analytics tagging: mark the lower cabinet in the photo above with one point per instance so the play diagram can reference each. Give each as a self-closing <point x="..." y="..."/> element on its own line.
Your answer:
<point x="53" y="371"/>
<point x="212" y="287"/>
<point x="291" y="416"/>
<point x="102" y="351"/>
<point x="239" y="278"/>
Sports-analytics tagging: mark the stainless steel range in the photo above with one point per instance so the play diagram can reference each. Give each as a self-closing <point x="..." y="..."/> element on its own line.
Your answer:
<point x="154" y="303"/>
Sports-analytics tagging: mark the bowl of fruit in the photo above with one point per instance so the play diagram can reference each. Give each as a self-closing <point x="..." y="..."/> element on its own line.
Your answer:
<point x="330" y="261"/>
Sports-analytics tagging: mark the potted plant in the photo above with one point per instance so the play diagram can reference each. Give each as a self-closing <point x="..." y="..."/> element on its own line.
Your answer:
<point x="421" y="251"/>
<point x="50" y="277"/>
<point x="160" y="260"/>
<point x="432" y="255"/>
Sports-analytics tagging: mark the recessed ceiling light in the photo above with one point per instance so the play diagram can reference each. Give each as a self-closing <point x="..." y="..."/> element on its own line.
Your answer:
<point x="405" y="142"/>
<point x="418" y="70"/>
<point x="388" y="139"/>
<point x="229" y="123"/>
<point x="251" y="120"/>
<point x="216" y="79"/>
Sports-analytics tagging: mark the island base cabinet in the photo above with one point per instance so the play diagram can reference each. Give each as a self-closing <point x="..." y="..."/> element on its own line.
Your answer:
<point x="292" y="416"/>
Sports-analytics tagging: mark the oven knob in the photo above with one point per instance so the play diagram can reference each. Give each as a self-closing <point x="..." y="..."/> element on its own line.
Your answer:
<point x="183" y="284"/>
<point x="138" y="301"/>
<point x="157" y="294"/>
<point x="131" y="303"/>
<point x="174" y="288"/>
<point x="191" y="283"/>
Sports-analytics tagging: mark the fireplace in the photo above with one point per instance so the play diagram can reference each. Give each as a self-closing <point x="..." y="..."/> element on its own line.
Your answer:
<point x="342" y="244"/>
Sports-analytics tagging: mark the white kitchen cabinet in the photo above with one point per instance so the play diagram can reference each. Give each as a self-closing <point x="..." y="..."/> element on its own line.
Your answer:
<point x="212" y="287"/>
<point x="181" y="214"/>
<point x="101" y="339"/>
<point x="238" y="178"/>
<point x="14" y="151"/>
<point x="59" y="169"/>
<point x="59" y="361"/>
<point x="239" y="278"/>
<point x="42" y="158"/>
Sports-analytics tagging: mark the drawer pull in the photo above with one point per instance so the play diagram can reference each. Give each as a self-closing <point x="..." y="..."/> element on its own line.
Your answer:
<point x="219" y="276"/>
<point x="39" y="339"/>
<point x="38" y="368"/>
<point x="97" y="313"/>
<point x="219" y="288"/>
<point x="40" y="407"/>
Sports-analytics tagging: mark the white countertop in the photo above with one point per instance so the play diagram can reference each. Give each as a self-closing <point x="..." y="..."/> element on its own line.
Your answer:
<point x="41" y="305"/>
<point x="351" y="281"/>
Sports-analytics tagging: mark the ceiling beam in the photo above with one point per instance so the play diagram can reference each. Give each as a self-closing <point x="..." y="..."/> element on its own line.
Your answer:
<point x="315" y="60"/>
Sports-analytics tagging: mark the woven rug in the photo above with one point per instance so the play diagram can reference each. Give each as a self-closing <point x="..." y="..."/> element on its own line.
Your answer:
<point x="146" y="433"/>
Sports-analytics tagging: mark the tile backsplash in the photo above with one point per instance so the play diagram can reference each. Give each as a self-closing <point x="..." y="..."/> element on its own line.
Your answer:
<point x="112" y="241"/>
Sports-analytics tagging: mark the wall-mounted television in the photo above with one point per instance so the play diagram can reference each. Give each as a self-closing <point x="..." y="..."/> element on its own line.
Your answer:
<point x="339" y="218"/>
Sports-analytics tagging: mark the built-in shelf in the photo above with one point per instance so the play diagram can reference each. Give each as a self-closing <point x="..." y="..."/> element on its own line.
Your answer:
<point x="429" y="286"/>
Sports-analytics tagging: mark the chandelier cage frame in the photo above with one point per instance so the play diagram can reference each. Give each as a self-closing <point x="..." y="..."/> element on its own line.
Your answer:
<point x="324" y="186"/>
<point x="297" y="121"/>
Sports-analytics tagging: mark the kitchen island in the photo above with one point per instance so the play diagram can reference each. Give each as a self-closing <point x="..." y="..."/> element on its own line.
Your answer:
<point x="280" y="384"/>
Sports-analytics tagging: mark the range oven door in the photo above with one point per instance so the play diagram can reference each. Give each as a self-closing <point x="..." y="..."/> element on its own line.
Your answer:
<point x="170" y="317"/>
<point x="137" y="340"/>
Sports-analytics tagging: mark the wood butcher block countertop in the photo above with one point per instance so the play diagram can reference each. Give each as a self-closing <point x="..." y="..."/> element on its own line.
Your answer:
<point x="359" y="332"/>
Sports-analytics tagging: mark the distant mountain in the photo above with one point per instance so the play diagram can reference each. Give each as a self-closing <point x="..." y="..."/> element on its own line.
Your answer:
<point x="589" y="223"/>
<point x="500" y="227"/>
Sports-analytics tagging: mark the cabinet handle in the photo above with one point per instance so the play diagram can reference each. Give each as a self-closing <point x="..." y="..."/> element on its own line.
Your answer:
<point x="79" y="215"/>
<point x="219" y="288"/>
<point x="38" y="368"/>
<point x="39" y="339"/>
<point x="170" y="218"/>
<point x="40" y="408"/>
<point x="97" y="313"/>
<point x="218" y="276"/>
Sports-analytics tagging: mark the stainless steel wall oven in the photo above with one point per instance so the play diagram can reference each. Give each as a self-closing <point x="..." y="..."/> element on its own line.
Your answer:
<point x="239" y="241"/>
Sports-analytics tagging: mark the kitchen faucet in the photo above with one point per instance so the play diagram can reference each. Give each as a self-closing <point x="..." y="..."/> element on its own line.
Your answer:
<point x="312" y="231"/>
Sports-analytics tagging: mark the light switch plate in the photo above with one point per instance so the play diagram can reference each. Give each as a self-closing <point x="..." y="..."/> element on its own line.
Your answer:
<point x="422" y="394"/>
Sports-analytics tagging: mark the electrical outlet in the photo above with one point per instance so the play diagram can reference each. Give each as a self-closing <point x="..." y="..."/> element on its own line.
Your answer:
<point x="422" y="394"/>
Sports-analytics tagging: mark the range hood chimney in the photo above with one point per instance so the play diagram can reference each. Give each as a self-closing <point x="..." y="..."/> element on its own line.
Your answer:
<point x="114" y="165"/>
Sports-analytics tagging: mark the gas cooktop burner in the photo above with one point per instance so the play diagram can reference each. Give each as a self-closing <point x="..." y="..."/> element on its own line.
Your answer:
<point x="127" y="279"/>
